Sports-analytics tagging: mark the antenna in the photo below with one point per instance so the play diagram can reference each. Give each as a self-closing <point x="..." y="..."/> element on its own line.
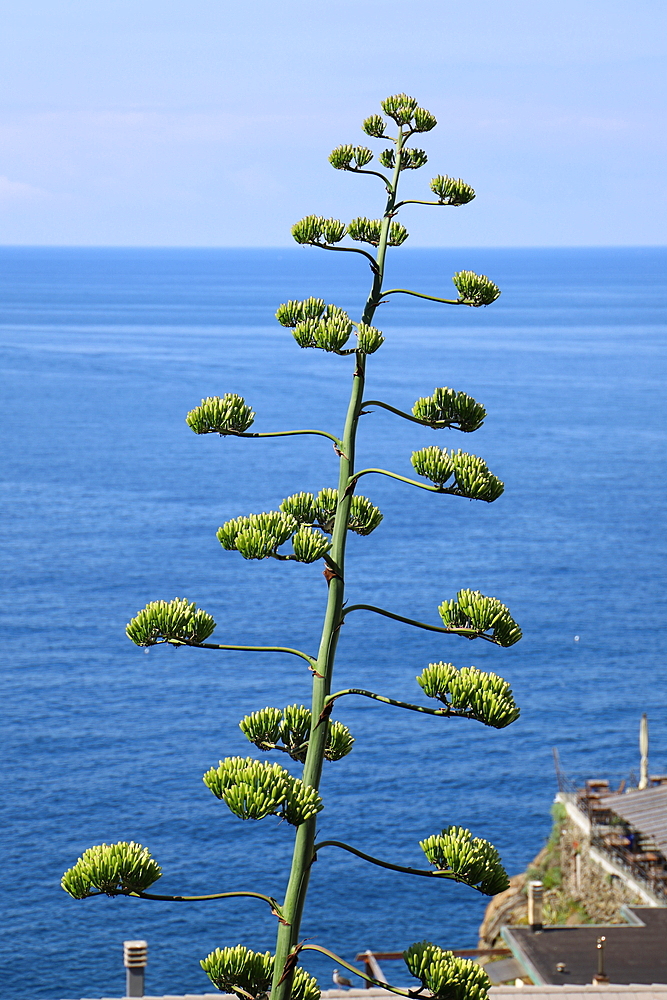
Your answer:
<point x="559" y="776"/>
<point x="643" y="749"/>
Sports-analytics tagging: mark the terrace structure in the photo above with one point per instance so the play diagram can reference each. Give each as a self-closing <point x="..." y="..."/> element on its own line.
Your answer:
<point x="623" y="832"/>
<point x="604" y="890"/>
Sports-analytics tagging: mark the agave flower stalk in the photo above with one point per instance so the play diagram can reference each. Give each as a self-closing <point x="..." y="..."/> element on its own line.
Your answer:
<point x="316" y="527"/>
<point x="297" y="886"/>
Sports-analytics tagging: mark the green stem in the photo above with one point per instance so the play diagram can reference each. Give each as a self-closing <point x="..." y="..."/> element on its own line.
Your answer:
<point x="446" y="711"/>
<point x="310" y="660"/>
<point x="416" y="201"/>
<point x="412" y="482"/>
<point x="426" y="873"/>
<point x="435" y="424"/>
<point x="216" y="895"/>
<point x="468" y="633"/>
<point x="420" y="295"/>
<point x="373" y="173"/>
<point x="351" y="968"/>
<point x="326" y="246"/>
<point x="302" y="856"/>
<point x="280" y="434"/>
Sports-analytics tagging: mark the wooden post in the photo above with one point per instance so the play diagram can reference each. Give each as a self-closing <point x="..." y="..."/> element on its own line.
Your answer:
<point x="372" y="967"/>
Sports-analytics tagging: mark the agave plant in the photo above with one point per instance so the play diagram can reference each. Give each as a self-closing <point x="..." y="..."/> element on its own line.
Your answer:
<point x="307" y="528"/>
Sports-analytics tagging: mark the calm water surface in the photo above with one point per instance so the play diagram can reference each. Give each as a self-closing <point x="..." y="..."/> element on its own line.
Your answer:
<point x="110" y="501"/>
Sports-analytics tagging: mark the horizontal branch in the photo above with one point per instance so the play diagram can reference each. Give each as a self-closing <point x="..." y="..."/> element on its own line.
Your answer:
<point x="273" y="903"/>
<point x="414" y="201"/>
<point x="310" y="660"/>
<point x="436" y="424"/>
<point x="420" y="295"/>
<point x="453" y="490"/>
<point x="325" y="246"/>
<point x="426" y="873"/>
<point x="468" y="633"/>
<point x="278" y="434"/>
<point x="375" y="173"/>
<point x="446" y="711"/>
<point x="274" y="746"/>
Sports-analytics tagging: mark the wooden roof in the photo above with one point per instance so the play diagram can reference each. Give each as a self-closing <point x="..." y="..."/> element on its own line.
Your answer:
<point x="644" y="809"/>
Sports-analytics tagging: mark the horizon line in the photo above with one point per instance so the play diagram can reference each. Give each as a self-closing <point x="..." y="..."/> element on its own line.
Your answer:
<point x="287" y="246"/>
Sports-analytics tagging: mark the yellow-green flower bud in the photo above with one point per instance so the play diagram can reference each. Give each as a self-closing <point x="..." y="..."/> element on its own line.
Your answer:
<point x="450" y="191"/>
<point x="424" y="120"/>
<point x="411" y="159"/>
<point x="170" y="621"/>
<point x="364" y="516"/>
<point x="309" y="229"/>
<point x="365" y="230"/>
<point x="221" y="415"/>
<point x="375" y="126"/>
<point x="341" y="157"/>
<point x="369" y="339"/>
<point x="114" y="869"/>
<point x="474" y="613"/>
<point x="400" y="107"/>
<point x="472" y="860"/>
<point x="475" y="289"/>
<point x="310" y="545"/>
<point x="398" y="234"/>
<point x="450" y="409"/>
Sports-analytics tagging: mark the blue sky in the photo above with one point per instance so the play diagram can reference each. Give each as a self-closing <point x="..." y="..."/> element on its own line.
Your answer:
<point x="201" y="123"/>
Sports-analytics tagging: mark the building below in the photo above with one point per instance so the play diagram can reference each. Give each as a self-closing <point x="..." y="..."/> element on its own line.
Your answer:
<point x="607" y="850"/>
<point x="634" y="952"/>
<point x="601" y="876"/>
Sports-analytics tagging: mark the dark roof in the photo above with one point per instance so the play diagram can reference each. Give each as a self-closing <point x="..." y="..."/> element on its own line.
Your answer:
<point x="633" y="954"/>
<point x="645" y="810"/>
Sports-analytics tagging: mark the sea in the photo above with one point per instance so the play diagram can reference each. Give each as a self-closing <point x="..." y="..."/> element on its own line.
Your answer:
<point x="110" y="501"/>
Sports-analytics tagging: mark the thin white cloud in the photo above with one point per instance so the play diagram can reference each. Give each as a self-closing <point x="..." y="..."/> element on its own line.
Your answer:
<point x="18" y="191"/>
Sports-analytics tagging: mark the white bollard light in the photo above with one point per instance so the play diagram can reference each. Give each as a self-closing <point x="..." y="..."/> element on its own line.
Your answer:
<point x="135" y="957"/>
<point x="535" y="893"/>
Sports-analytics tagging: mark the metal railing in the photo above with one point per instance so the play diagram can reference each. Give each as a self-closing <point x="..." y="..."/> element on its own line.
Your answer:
<point x="618" y="856"/>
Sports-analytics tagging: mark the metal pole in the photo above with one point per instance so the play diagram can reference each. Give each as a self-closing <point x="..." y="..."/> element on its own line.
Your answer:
<point x="601" y="979"/>
<point x="135" y="957"/>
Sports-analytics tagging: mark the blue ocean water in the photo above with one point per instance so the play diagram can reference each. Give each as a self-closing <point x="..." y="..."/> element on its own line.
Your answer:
<point x="110" y="501"/>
